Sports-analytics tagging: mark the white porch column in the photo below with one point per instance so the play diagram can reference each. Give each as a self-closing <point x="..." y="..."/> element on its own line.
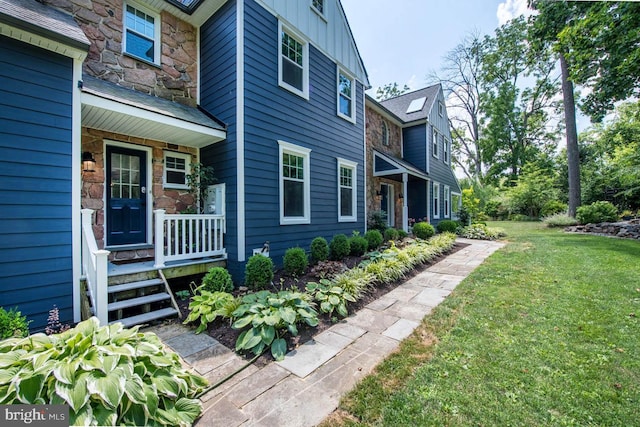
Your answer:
<point x="405" y="206"/>
<point x="158" y="238"/>
<point x="102" y="283"/>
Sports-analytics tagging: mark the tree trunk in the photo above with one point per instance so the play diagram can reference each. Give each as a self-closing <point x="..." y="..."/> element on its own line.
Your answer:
<point x="573" y="154"/>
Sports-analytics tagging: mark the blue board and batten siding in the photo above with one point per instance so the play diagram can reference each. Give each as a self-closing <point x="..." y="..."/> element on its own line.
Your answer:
<point x="272" y="114"/>
<point x="35" y="181"/>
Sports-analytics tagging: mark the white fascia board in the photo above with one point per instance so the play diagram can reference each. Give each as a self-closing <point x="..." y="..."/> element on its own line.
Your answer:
<point x="42" y="42"/>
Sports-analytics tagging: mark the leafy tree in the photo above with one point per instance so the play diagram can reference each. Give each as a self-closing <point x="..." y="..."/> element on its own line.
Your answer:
<point x="534" y="189"/>
<point x="516" y="123"/>
<point x="390" y="90"/>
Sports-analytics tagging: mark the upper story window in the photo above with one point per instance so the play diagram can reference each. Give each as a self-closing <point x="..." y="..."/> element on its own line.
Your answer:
<point x="176" y="168"/>
<point x="436" y="200"/>
<point x="440" y="109"/>
<point x="295" y="186"/>
<point x="293" y="63"/>
<point x="445" y="150"/>
<point x="347" y="190"/>
<point x="434" y="143"/>
<point x="142" y="34"/>
<point x="385" y="134"/>
<point x="346" y="85"/>
<point x="318" y="6"/>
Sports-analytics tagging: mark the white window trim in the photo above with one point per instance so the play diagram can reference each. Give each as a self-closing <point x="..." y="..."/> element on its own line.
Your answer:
<point x="322" y="14"/>
<point x="354" y="194"/>
<point x="434" y="143"/>
<point x="352" y="116"/>
<point x="187" y="158"/>
<point x="446" y="151"/>
<point x="436" y="198"/>
<point x="386" y="139"/>
<point x="447" y="202"/>
<point x="440" y="109"/>
<point x="305" y="153"/>
<point x="304" y="93"/>
<point x="454" y="214"/>
<point x="157" y="38"/>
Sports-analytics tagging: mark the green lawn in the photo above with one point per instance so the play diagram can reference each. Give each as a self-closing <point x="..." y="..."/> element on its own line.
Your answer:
<point x="545" y="332"/>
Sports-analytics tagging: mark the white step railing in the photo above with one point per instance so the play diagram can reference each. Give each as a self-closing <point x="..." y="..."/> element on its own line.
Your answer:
<point x="94" y="269"/>
<point x="189" y="236"/>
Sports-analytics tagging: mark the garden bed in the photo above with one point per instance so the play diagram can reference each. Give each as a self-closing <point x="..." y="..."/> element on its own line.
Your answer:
<point x="222" y="331"/>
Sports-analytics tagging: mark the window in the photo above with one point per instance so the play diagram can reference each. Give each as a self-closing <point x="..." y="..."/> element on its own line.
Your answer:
<point x="318" y="5"/>
<point x="456" y="203"/>
<point x="176" y="168"/>
<point x="441" y="109"/>
<point x="347" y="191"/>
<point x="445" y="202"/>
<point x="385" y="134"/>
<point x="345" y="96"/>
<point x="416" y="105"/>
<point x="436" y="200"/>
<point x="434" y="143"/>
<point x="142" y="34"/>
<point x="293" y="63"/>
<point x="445" y="150"/>
<point x="295" y="188"/>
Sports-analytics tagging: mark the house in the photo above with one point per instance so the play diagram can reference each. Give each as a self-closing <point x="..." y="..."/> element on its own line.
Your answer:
<point x="270" y="94"/>
<point x="409" y="174"/>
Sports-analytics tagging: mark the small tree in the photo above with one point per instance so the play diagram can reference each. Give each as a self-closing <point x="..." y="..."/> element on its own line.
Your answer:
<point x="199" y="180"/>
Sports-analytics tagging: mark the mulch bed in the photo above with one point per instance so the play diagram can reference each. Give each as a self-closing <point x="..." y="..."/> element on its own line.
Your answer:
<point x="222" y="331"/>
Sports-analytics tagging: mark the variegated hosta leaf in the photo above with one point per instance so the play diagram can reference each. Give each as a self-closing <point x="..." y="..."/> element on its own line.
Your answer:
<point x="105" y="416"/>
<point x="8" y="374"/>
<point x="7" y="394"/>
<point x="66" y="372"/>
<point x="108" y="387"/>
<point x="28" y="389"/>
<point x="82" y="417"/>
<point x="134" y="388"/>
<point x="167" y="384"/>
<point x="9" y="359"/>
<point x="75" y="395"/>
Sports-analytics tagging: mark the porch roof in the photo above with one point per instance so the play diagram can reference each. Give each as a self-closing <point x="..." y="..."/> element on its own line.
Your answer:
<point x="386" y="165"/>
<point x="112" y="108"/>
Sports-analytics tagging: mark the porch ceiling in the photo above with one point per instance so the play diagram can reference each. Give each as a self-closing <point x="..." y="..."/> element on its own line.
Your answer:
<point x="112" y="108"/>
<point x="395" y="166"/>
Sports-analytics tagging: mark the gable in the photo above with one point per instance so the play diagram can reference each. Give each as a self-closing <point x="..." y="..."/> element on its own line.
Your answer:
<point x="329" y="32"/>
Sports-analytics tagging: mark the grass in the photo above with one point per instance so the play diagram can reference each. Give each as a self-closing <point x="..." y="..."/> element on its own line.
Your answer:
<point x="545" y="332"/>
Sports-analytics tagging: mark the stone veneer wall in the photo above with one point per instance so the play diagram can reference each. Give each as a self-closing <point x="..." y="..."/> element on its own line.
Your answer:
<point x="175" y="79"/>
<point x="374" y="141"/>
<point x="93" y="183"/>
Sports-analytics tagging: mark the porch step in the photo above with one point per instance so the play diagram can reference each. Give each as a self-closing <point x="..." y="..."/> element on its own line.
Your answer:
<point x="135" y="285"/>
<point x="147" y="317"/>
<point x="148" y="299"/>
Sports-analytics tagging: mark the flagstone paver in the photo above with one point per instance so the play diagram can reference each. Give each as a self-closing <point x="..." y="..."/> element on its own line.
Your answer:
<point x="307" y="385"/>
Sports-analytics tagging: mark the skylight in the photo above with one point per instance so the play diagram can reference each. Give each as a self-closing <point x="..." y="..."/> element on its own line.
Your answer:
<point x="187" y="6"/>
<point x="416" y="105"/>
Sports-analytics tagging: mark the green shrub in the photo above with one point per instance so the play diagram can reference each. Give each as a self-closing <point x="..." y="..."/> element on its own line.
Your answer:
<point x="271" y="316"/>
<point x="217" y="279"/>
<point x="553" y="207"/>
<point x="206" y="306"/>
<point x="319" y="249"/>
<point x="358" y="245"/>
<point x="560" y="220"/>
<point x="390" y="234"/>
<point x="447" y="225"/>
<point x="330" y="297"/>
<point x="423" y="230"/>
<point x="377" y="220"/>
<point x="481" y="232"/>
<point x="107" y="375"/>
<point x="13" y="324"/>
<point x="520" y="218"/>
<point x="258" y="273"/>
<point x="295" y="261"/>
<point x="374" y="238"/>
<point x="597" y="212"/>
<point x="402" y="234"/>
<point x="339" y="247"/>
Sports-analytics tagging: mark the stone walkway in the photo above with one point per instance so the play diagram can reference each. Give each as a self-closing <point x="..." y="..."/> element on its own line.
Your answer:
<point x="307" y="385"/>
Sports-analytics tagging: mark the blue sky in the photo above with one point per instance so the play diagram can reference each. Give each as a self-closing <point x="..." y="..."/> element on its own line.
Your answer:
<point x="406" y="41"/>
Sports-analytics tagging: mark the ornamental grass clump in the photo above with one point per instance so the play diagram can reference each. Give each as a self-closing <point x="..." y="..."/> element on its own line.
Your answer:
<point x="560" y="220"/>
<point x="107" y="375"/>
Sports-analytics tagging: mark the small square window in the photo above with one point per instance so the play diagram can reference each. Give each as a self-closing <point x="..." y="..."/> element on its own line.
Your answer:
<point x="441" y="109"/>
<point x="176" y="168"/>
<point x="142" y="34"/>
<point x="318" y="5"/>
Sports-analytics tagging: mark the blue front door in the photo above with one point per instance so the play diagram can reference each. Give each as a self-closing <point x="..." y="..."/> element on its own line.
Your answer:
<point x="126" y="196"/>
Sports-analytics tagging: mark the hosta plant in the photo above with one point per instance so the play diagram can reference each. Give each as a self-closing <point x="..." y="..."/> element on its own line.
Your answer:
<point x="107" y="375"/>
<point x="270" y="316"/>
<point x="206" y="306"/>
<point x="330" y="297"/>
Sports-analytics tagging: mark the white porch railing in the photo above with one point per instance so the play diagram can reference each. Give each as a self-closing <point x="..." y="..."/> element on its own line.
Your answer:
<point x="94" y="268"/>
<point x="180" y="237"/>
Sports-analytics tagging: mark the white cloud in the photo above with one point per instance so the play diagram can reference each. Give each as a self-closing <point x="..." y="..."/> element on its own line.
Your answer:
<point x="510" y="9"/>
